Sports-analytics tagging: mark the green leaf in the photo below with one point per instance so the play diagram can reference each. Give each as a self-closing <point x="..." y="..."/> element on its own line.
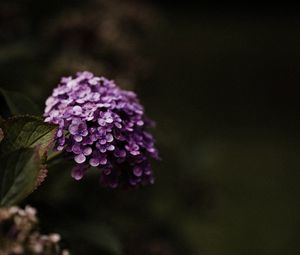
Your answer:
<point x="27" y="132"/>
<point x="18" y="103"/>
<point x="19" y="172"/>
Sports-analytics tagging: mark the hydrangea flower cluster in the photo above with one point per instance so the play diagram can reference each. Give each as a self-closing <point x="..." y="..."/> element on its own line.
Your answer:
<point x="19" y="234"/>
<point x="102" y="126"/>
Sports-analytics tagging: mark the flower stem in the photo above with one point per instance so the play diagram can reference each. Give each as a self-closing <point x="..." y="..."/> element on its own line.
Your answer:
<point x="53" y="155"/>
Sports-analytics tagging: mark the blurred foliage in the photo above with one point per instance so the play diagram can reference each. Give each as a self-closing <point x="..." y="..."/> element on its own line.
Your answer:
<point x="16" y="103"/>
<point x="41" y="41"/>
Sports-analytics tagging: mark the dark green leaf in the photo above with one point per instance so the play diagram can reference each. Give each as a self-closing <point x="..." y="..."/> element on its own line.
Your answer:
<point x="27" y="132"/>
<point x="18" y="103"/>
<point x="19" y="171"/>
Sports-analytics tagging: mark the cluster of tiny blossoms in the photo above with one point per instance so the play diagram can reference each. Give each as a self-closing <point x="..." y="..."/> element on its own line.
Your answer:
<point x="19" y="234"/>
<point x="102" y="126"/>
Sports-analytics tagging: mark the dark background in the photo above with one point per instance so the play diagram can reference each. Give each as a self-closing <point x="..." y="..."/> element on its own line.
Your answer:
<point x="222" y="84"/>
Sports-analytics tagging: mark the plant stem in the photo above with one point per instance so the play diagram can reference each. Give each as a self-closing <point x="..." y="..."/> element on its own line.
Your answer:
<point x="53" y="155"/>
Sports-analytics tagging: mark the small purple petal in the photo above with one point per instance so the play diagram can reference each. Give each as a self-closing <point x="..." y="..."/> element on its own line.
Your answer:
<point x="77" y="110"/>
<point x="59" y="133"/>
<point x="137" y="171"/>
<point x="87" y="151"/>
<point x="76" y="148"/>
<point x="80" y="158"/>
<point x="101" y="122"/>
<point x="140" y="123"/>
<point x="110" y="147"/>
<point x="78" y="138"/>
<point x="73" y="129"/>
<point x="78" y="172"/>
<point x="118" y="125"/>
<point x="103" y="161"/>
<point x="109" y="138"/>
<point x="94" y="162"/>
<point x="103" y="141"/>
<point x="134" y="153"/>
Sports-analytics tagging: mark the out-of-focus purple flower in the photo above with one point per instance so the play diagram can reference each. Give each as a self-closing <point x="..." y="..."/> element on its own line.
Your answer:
<point x="102" y="126"/>
<point x="19" y="234"/>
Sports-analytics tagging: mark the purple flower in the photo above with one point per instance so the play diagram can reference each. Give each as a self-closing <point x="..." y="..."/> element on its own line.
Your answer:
<point x="103" y="126"/>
